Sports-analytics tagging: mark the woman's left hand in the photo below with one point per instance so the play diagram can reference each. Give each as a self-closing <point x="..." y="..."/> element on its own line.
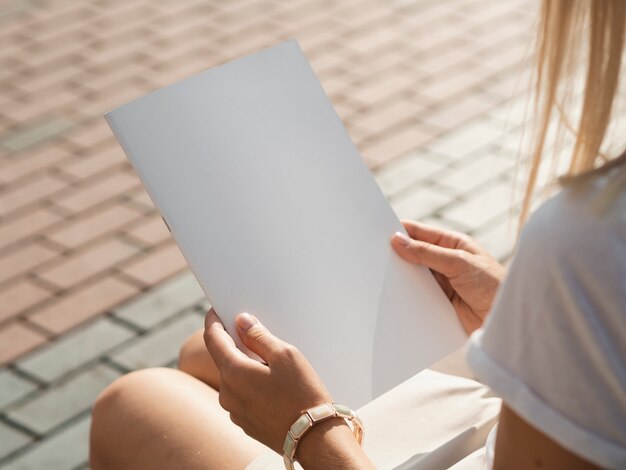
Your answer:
<point x="263" y="399"/>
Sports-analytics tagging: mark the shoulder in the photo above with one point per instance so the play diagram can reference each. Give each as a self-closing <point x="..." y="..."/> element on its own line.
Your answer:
<point x="579" y="216"/>
<point x="554" y="345"/>
<point x="577" y="236"/>
<point x="571" y="259"/>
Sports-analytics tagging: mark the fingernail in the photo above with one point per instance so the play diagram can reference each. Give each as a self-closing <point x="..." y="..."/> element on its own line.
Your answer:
<point x="401" y="238"/>
<point x="245" y="321"/>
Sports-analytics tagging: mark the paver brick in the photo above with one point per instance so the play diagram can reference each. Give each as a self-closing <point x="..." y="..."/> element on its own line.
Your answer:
<point x="95" y="81"/>
<point x="64" y="400"/>
<point x="16" y="339"/>
<point x="33" y="109"/>
<point x="86" y="263"/>
<point x="27" y="193"/>
<point x="64" y="450"/>
<point x="377" y="89"/>
<point x="390" y="116"/>
<point x="19" y="229"/>
<point x="159" y="347"/>
<point x="150" y="231"/>
<point x="419" y="202"/>
<point x="87" y="228"/>
<point x="513" y="112"/>
<point x="395" y="145"/>
<point x="499" y="239"/>
<point x="372" y="40"/>
<point x="88" y="165"/>
<point x="454" y="84"/>
<point x="406" y="171"/>
<point x="31" y="162"/>
<point x="14" y="9"/>
<point x="140" y="196"/>
<point x="16" y="262"/>
<point x="11" y="439"/>
<point x="105" y="189"/>
<point x="466" y="140"/>
<point x="74" y="308"/>
<point x="482" y="167"/>
<point x="73" y="350"/>
<point x="166" y="300"/>
<point x="13" y="387"/>
<point x="156" y="266"/>
<point x="117" y="95"/>
<point x="36" y="83"/>
<point x="513" y="144"/>
<point x="35" y="134"/>
<point x="516" y="82"/>
<point x="481" y="209"/>
<point x="453" y="57"/>
<point x="461" y="110"/>
<point x="19" y="296"/>
<point x="91" y="135"/>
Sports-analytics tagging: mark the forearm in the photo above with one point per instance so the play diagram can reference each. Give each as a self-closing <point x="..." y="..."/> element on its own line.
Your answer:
<point x="330" y="445"/>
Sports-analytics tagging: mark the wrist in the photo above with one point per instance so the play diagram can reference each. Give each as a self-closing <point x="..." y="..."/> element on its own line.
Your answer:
<point x="331" y="445"/>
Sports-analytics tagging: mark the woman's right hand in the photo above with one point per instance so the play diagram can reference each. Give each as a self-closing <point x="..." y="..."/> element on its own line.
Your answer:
<point x="468" y="275"/>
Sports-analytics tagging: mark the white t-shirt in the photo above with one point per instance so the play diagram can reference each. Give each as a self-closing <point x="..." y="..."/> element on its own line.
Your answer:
<point x="554" y="345"/>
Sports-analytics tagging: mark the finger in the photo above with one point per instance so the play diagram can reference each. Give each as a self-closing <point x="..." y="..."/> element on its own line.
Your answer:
<point x="470" y="322"/>
<point x="437" y="236"/>
<point x="446" y="261"/>
<point x="444" y="284"/>
<point x="257" y="338"/>
<point x="219" y="343"/>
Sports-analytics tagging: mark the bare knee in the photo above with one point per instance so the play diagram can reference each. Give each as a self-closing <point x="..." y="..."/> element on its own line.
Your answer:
<point x="111" y="410"/>
<point x="195" y="360"/>
<point x="164" y="418"/>
<point x="192" y="347"/>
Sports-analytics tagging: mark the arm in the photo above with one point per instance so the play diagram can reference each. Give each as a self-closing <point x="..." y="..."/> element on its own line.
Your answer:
<point x="470" y="278"/>
<point x="520" y="446"/>
<point x="265" y="399"/>
<point x="331" y="446"/>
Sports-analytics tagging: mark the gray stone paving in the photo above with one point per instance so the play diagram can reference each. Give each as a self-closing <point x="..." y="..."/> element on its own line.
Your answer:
<point x="477" y="212"/>
<point x="75" y="349"/>
<point x="66" y="449"/>
<point x="63" y="401"/>
<point x="160" y="346"/>
<point x="168" y="299"/>
<point x="13" y="387"/>
<point x="12" y="439"/>
<point x="408" y="170"/>
<point x="419" y="201"/>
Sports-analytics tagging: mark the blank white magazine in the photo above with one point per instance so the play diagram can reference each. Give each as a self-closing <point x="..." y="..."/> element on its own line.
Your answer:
<point x="276" y="213"/>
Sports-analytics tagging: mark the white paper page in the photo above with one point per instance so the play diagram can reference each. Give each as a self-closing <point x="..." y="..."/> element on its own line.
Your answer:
<point x="277" y="215"/>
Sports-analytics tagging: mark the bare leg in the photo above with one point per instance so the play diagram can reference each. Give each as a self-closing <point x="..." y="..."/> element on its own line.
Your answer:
<point x="196" y="360"/>
<point x="165" y="419"/>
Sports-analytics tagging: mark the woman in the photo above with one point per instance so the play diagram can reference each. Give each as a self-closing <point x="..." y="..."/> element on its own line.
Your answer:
<point x="554" y="345"/>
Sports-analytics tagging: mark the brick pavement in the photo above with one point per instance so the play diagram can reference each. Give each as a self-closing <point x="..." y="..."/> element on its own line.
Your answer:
<point x="91" y="284"/>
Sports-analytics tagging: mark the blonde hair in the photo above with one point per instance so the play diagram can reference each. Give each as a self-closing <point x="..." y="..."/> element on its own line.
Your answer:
<point x="566" y="26"/>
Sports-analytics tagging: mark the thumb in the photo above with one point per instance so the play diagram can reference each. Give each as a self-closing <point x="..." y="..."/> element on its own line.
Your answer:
<point x="446" y="261"/>
<point x="256" y="337"/>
